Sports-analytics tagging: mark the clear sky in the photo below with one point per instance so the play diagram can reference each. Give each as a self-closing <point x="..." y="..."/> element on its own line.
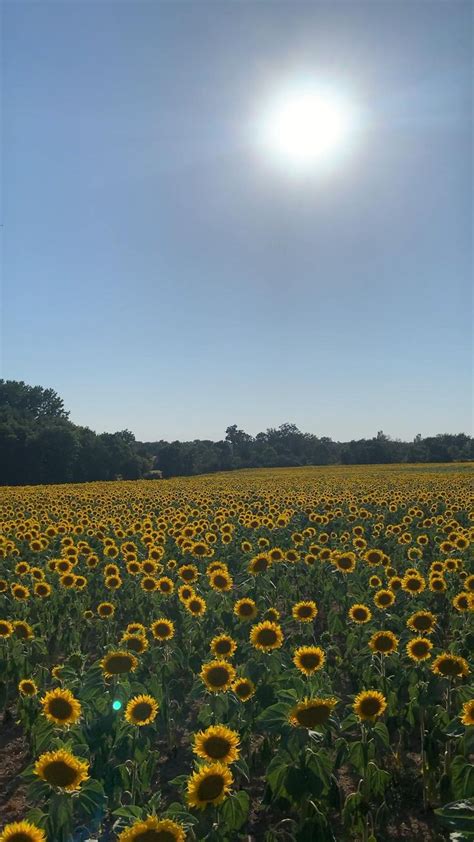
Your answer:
<point x="162" y="274"/>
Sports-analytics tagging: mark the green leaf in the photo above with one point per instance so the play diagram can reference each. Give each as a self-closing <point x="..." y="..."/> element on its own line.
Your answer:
<point x="462" y="778"/>
<point x="92" y="799"/>
<point x="274" y="717"/>
<point x="380" y="731"/>
<point x="458" y="815"/>
<point x="276" y="773"/>
<point x="235" y="810"/>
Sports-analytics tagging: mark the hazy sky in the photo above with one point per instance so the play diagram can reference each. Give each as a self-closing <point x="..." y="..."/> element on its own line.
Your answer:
<point x="162" y="274"/>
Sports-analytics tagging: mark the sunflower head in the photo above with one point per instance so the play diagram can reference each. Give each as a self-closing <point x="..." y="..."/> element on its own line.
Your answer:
<point x="309" y="659"/>
<point x="196" y="606"/>
<point x="384" y="599"/>
<point x="217" y="676"/>
<point x="162" y="629"/>
<point x="154" y="829"/>
<point x="422" y="621"/>
<point x="468" y="713"/>
<point x="141" y="710"/>
<point x="105" y="610"/>
<point x="450" y="666"/>
<point x="22" y="832"/>
<point x="369" y="705"/>
<point x="245" y="609"/>
<point x="217" y="744"/>
<point x="383" y="642"/>
<point x="419" y="648"/>
<point x="209" y="785"/>
<point x="359" y="613"/>
<point x="27" y="687"/>
<point x="311" y="713"/>
<point x="118" y="662"/>
<point x="61" y="707"/>
<point x="61" y="769"/>
<point x="6" y="628"/>
<point x="243" y="688"/>
<point x="134" y="642"/>
<point x="223" y="646"/>
<point x="305" y="612"/>
<point x="266" y="636"/>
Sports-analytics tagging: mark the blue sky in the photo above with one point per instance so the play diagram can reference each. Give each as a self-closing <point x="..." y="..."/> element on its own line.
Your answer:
<point x="163" y="275"/>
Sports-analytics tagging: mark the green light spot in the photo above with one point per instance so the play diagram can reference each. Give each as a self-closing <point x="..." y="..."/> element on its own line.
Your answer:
<point x="116" y="704"/>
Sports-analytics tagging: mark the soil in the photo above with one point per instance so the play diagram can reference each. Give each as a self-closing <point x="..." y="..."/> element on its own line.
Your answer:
<point x="14" y="757"/>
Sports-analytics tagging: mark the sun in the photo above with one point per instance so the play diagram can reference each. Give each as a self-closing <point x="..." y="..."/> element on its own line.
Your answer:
<point x="307" y="127"/>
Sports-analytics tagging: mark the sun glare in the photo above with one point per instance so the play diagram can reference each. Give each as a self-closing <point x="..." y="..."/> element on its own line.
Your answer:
<point x="304" y="128"/>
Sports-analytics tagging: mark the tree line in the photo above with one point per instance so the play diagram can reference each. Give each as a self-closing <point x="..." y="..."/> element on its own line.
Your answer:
<point x="39" y="444"/>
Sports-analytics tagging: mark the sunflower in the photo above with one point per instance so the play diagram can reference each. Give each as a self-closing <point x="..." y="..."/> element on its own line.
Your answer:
<point x="148" y="584"/>
<point x="136" y="628"/>
<point x="468" y="712"/>
<point x="345" y="562"/>
<point x="359" y="613"/>
<point x="217" y="675"/>
<point x="196" y="606"/>
<point x="223" y="646"/>
<point x="141" y="710"/>
<point x="22" y="832"/>
<point x="373" y="557"/>
<point x="266" y="636"/>
<point x="42" y="589"/>
<point x="61" y="707"/>
<point x="60" y="768"/>
<point x="27" y="687"/>
<point x="419" y="648"/>
<point x="245" y="609"/>
<point x="243" y="688"/>
<point x="450" y="666"/>
<point x="383" y="642"/>
<point x="162" y="629"/>
<point x="309" y="659"/>
<point x="369" y="704"/>
<point x="135" y="642"/>
<point x="221" y="581"/>
<point x="6" y="628"/>
<point x="413" y="583"/>
<point x="259" y="564"/>
<point x="217" y="743"/>
<point x="276" y="554"/>
<point x="305" y="612"/>
<point x="311" y="712"/>
<point x="105" y="609"/>
<point x="272" y="614"/>
<point x="384" y="599"/>
<point x="23" y="630"/>
<point x="153" y="829"/>
<point x="185" y="592"/>
<point x="165" y="585"/>
<point x="19" y="592"/>
<point x="422" y="621"/>
<point x="209" y="785"/>
<point x="437" y="584"/>
<point x="118" y="662"/>
<point x="463" y="601"/>
<point x="188" y="573"/>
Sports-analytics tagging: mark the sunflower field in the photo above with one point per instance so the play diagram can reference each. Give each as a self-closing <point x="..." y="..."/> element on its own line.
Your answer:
<point x="260" y="655"/>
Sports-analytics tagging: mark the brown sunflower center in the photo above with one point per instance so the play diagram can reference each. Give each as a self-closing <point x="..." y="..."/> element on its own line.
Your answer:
<point x="370" y="706"/>
<point x="420" y="648"/>
<point x="305" y="611"/>
<point x="310" y="660"/>
<point x="155" y="836"/>
<point x="59" y="773"/>
<point x="246" y="609"/>
<point x="161" y="629"/>
<point x="60" y="708"/>
<point x="384" y="598"/>
<point x="217" y="747"/>
<point x="217" y="676"/>
<point x="141" y="711"/>
<point x="135" y="644"/>
<point x="314" y="715"/>
<point x="448" y="666"/>
<point x="422" y="623"/>
<point x="359" y="614"/>
<point x="267" y="637"/>
<point x="116" y="664"/>
<point x="223" y="647"/>
<point x="210" y="787"/>
<point x="383" y="643"/>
